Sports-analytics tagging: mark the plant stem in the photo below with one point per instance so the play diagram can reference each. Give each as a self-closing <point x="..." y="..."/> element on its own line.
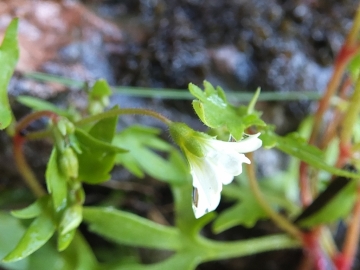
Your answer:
<point x="351" y="238"/>
<point x="121" y="111"/>
<point x="278" y="219"/>
<point x="220" y="250"/>
<point x="18" y="142"/>
<point x="351" y="116"/>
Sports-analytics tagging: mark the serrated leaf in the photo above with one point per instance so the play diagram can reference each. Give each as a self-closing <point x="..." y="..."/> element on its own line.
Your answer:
<point x="130" y="229"/>
<point x="142" y="142"/>
<point x="56" y="181"/>
<point x="96" y="159"/>
<point x="9" y="54"/>
<point x="339" y="207"/>
<point x="38" y="233"/>
<point x="214" y="111"/>
<point x="33" y="210"/>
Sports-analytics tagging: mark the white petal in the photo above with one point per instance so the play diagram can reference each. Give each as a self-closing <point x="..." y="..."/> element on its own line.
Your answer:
<point x="246" y="145"/>
<point x="206" y="180"/>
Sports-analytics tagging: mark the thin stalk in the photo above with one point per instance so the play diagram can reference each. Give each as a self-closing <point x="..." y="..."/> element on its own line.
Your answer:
<point x="351" y="116"/>
<point x="226" y="250"/>
<point x="121" y="111"/>
<point x="278" y="219"/>
<point x="18" y="142"/>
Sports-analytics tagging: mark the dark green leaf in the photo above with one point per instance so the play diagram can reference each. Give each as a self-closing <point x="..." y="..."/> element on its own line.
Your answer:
<point x="9" y="54"/>
<point x="339" y="207"/>
<point x="104" y="130"/>
<point x="38" y="233"/>
<point x="130" y="229"/>
<point x="56" y="181"/>
<point x="96" y="159"/>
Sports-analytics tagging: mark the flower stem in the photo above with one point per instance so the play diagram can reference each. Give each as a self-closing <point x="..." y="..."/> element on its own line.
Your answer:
<point x="279" y="220"/>
<point x="220" y="250"/>
<point x="121" y="111"/>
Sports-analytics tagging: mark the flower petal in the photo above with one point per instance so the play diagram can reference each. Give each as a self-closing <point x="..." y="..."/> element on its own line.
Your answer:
<point x="246" y="145"/>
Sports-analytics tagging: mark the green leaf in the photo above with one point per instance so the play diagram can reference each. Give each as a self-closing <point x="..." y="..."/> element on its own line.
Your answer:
<point x="245" y="213"/>
<point x="9" y="54"/>
<point x="71" y="219"/>
<point x="33" y="210"/>
<point x="38" y="233"/>
<point x="130" y="229"/>
<point x="56" y="181"/>
<point x="11" y="231"/>
<point x="337" y="208"/>
<point x="96" y="159"/>
<point x="214" y="111"/>
<point x="142" y="142"/>
<point x="104" y="130"/>
<point x="100" y="88"/>
<point x="296" y="146"/>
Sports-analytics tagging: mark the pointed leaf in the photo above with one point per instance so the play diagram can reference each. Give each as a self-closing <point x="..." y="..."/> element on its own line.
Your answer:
<point x="104" y="130"/>
<point x="33" y="210"/>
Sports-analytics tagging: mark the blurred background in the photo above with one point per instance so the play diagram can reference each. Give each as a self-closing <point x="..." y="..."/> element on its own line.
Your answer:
<point x="278" y="45"/>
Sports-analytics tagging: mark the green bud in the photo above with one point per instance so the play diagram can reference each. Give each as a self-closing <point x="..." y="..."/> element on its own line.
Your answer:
<point x="95" y="107"/>
<point x="69" y="163"/>
<point x="105" y="101"/>
<point x="71" y="219"/>
<point x="61" y="125"/>
<point x="186" y="138"/>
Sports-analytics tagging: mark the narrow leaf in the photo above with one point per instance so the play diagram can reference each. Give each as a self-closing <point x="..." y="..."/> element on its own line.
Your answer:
<point x="9" y="54"/>
<point x="130" y="229"/>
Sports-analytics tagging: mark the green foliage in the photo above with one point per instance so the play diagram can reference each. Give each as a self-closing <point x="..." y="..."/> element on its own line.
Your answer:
<point x="214" y="111"/>
<point x="9" y="54"/>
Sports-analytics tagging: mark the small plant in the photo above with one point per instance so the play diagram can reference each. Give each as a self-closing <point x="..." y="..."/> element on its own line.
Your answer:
<point x="197" y="167"/>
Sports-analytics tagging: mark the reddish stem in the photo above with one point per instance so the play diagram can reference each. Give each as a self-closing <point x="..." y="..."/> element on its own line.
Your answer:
<point x="18" y="142"/>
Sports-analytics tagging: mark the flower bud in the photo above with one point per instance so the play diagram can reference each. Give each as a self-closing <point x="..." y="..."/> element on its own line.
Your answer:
<point x="69" y="164"/>
<point x="71" y="219"/>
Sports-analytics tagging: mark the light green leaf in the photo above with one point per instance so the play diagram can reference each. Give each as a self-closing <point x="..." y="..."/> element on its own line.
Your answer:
<point x="71" y="219"/>
<point x="130" y="229"/>
<point x="56" y="181"/>
<point x="64" y="240"/>
<point x="9" y="54"/>
<point x="33" y="210"/>
<point x="141" y="158"/>
<point x="214" y="111"/>
<point x="38" y="233"/>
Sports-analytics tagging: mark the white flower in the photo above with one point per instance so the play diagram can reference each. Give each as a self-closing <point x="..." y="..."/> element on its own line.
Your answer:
<point x="213" y="163"/>
<point x="221" y="161"/>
